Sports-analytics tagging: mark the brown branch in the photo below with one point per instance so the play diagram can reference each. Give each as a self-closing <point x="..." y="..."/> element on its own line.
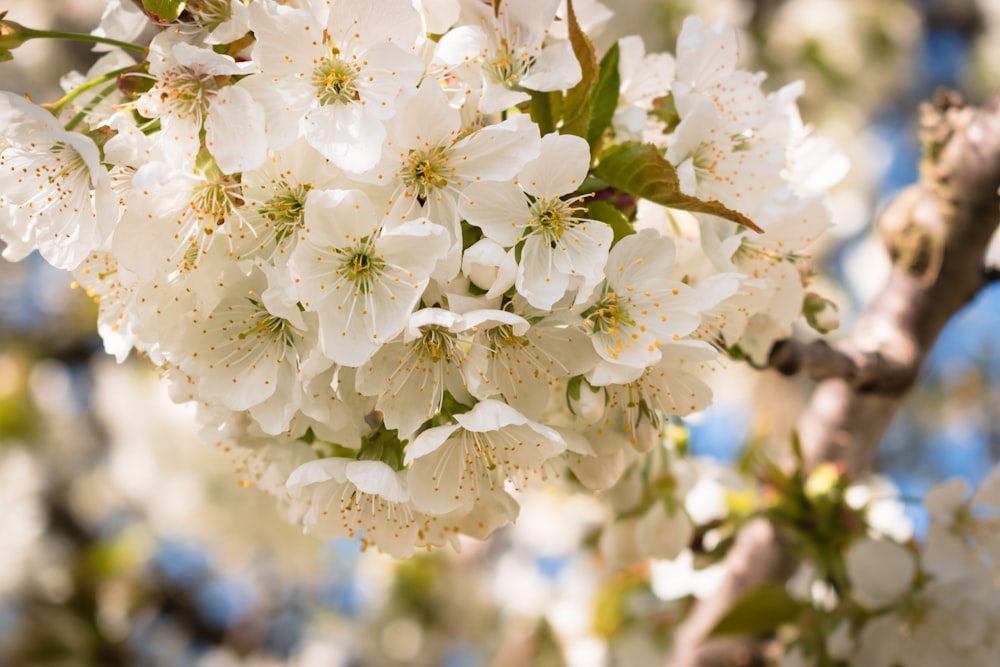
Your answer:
<point x="865" y="372"/>
<point x="936" y="233"/>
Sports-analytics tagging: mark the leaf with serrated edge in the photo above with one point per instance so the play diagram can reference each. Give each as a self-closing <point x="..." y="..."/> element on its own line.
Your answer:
<point x="641" y="170"/>
<point x="577" y="105"/>
<point x="604" y="96"/>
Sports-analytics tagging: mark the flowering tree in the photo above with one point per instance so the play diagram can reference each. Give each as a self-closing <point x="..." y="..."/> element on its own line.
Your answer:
<point x="413" y="261"/>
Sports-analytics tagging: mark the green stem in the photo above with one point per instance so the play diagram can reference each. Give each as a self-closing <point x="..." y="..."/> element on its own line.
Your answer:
<point x="57" y="107"/>
<point x="75" y="120"/>
<point x="30" y="33"/>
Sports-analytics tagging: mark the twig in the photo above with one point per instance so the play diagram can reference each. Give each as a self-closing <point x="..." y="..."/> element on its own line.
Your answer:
<point x="936" y="233"/>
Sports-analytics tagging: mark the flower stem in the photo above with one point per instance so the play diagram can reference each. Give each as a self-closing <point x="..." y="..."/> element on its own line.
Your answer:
<point x="57" y="107"/>
<point x="75" y="120"/>
<point x="31" y="33"/>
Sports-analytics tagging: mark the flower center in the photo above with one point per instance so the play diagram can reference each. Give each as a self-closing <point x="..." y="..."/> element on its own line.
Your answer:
<point x="608" y="314"/>
<point x="285" y="209"/>
<point x="503" y="336"/>
<point x="508" y="67"/>
<point x="360" y="266"/>
<point x="436" y="344"/>
<point x="267" y="326"/>
<point x="334" y="80"/>
<point x="187" y="91"/>
<point x="551" y="218"/>
<point x="210" y="13"/>
<point x="427" y="171"/>
<point x="213" y="202"/>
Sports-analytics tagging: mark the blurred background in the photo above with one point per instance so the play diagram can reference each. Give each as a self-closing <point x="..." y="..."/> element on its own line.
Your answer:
<point x="126" y="541"/>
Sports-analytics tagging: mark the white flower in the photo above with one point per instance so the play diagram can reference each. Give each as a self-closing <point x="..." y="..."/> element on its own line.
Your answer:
<point x="713" y="162"/>
<point x="54" y="193"/>
<point x="951" y="622"/>
<point x="561" y="250"/>
<point x="644" y="79"/>
<point x="640" y="308"/>
<point x="454" y="467"/>
<point x="188" y="94"/>
<point x="112" y="288"/>
<point x="173" y="217"/>
<point x="250" y="350"/>
<point x="430" y="160"/>
<point x="663" y="532"/>
<point x="334" y="81"/>
<point x="523" y="362"/>
<point x="274" y="199"/>
<point x="410" y="376"/>
<point x="222" y="21"/>
<point x="510" y="47"/>
<point x="672" y="386"/>
<point x="362" y="281"/>
<point x="964" y="533"/>
<point x="706" y="68"/>
<point x="348" y="498"/>
<point x="481" y="264"/>
<point x="881" y="572"/>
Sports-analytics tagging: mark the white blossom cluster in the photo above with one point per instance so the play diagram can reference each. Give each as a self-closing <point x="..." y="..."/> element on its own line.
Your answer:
<point x="940" y="606"/>
<point x="363" y="237"/>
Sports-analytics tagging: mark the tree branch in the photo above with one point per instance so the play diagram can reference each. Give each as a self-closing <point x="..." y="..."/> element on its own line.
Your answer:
<point x="936" y="232"/>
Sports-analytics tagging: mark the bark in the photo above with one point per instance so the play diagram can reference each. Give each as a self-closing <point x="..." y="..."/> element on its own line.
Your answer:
<point x="936" y="233"/>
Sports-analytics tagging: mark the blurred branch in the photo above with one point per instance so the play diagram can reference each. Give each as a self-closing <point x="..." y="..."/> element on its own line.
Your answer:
<point x="936" y="233"/>
<point x="865" y="372"/>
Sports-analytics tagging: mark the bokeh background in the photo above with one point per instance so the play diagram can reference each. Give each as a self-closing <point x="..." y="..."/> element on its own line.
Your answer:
<point x="126" y="541"/>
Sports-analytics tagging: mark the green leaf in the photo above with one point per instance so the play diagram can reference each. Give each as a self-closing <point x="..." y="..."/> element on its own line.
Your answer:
<point x="760" y="611"/>
<point x="545" y="109"/>
<point x="164" y="10"/>
<point x="576" y="119"/>
<point x="641" y="170"/>
<point x="712" y="207"/>
<point x="604" y="97"/>
<point x="605" y="212"/>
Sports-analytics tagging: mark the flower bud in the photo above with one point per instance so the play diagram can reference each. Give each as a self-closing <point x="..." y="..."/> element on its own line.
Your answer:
<point x="481" y="263"/>
<point x="821" y="313"/>
<point x="12" y="35"/>
<point x="585" y="401"/>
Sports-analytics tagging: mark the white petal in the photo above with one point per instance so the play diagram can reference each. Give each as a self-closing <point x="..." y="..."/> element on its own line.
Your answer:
<point x="881" y="572"/>
<point x="555" y="68"/>
<point x="499" y="209"/>
<point x="559" y="169"/>
<point x="441" y="482"/>
<point x="377" y="478"/>
<point x="497" y="152"/>
<point x="287" y="39"/>
<point x="943" y="500"/>
<point x="235" y="131"/>
<point x="988" y="492"/>
<point x="429" y="441"/>
<point x="537" y="277"/>
<point x="348" y="135"/>
<point x="320" y="470"/>
<point x="661" y="534"/>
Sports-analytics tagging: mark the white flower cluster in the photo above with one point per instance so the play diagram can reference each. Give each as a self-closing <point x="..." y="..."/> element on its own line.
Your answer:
<point x="942" y="608"/>
<point x="378" y="245"/>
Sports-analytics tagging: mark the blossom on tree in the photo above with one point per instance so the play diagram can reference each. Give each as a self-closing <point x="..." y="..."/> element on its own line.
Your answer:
<point x="362" y="280"/>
